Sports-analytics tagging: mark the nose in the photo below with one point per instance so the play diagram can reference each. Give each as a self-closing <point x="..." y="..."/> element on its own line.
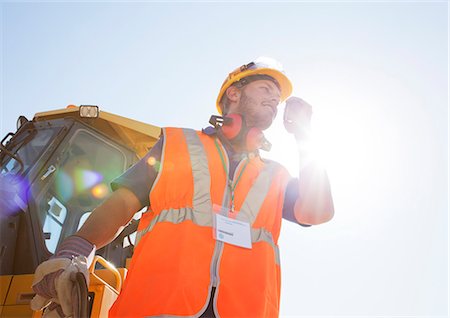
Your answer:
<point x="275" y="97"/>
<point x="274" y="100"/>
<point x="273" y="104"/>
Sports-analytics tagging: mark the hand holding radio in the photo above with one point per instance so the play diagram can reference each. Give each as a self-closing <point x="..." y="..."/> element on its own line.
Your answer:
<point x="297" y="118"/>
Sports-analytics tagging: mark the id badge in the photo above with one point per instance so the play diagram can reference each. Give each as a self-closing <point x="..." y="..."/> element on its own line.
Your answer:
<point x="231" y="231"/>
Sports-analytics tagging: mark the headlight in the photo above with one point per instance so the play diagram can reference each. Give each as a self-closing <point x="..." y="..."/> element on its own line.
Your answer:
<point x="89" y="111"/>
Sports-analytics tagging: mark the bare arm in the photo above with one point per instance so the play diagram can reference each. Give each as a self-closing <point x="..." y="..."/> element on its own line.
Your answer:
<point x="315" y="203"/>
<point x="109" y="219"/>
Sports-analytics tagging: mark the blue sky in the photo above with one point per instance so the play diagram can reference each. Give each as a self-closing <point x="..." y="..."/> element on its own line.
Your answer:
<point x="376" y="74"/>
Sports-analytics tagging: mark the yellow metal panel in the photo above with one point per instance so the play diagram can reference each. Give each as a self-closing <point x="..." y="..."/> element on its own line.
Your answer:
<point x="60" y="112"/>
<point x="143" y="128"/>
<point x="37" y="314"/>
<point x="108" y="276"/>
<point x="135" y="134"/>
<point x="20" y="291"/>
<point x="4" y="286"/>
<point x="137" y="126"/>
<point x="104" y="297"/>
<point x="16" y="311"/>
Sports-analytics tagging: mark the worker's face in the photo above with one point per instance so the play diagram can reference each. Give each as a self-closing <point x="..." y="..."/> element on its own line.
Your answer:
<point x="258" y="102"/>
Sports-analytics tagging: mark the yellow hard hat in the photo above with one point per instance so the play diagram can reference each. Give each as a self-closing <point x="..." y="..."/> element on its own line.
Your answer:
<point x="261" y="66"/>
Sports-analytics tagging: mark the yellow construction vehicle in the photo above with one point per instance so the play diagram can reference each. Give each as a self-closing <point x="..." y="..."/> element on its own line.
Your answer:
<point x="54" y="170"/>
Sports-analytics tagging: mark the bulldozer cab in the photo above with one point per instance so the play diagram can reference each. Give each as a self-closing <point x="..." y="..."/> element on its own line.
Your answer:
<point x="54" y="171"/>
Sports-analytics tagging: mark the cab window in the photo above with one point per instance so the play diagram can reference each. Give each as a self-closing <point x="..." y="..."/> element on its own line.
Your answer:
<point x="80" y="183"/>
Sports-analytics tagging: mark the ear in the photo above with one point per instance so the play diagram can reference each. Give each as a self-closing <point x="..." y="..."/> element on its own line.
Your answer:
<point x="233" y="94"/>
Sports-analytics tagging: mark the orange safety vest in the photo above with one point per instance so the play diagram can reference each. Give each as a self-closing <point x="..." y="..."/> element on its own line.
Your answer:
<point x="177" y="261"/>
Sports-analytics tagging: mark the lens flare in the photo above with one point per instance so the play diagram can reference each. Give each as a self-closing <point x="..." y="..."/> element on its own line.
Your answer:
<point x="64" y="186"/>
<point x="85" y="179"/>
<point x="13" y="194"/>
<point x="151" y="161"/>
<point x="100" y="191"/>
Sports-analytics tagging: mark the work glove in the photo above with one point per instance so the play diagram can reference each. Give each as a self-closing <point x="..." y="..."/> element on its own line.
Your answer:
<point x="54" y="279"/>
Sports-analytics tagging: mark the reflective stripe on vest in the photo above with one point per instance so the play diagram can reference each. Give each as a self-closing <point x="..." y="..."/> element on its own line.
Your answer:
<point x="176" y="216"/>
<point x="200" y="171"/>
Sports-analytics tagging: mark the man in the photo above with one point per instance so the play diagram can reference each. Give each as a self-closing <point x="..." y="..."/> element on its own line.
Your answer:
<point x="208" y="242"/>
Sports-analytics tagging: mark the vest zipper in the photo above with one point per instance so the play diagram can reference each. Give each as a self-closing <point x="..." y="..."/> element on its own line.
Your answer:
<point x="225" y="202"/>
<point x="218" y="246"/>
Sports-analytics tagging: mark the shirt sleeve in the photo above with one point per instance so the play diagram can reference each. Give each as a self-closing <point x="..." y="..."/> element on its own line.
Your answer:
<point x="290" y="197"/>
<point x="139" y="178"/>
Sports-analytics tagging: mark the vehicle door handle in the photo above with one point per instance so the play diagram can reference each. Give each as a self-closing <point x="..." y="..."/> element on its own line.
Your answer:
<point x="50" y="170"/>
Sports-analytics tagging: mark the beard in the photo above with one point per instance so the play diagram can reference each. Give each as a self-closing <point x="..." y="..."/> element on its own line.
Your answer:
<point x="254" y="114"/>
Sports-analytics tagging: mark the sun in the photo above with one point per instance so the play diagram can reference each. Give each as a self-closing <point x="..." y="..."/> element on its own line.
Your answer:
<point x="290" y="153"/>
<point x="333" y="143"/>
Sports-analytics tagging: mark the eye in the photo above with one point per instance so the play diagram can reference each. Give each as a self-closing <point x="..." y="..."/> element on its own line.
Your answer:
<point x="265" y="89"/>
